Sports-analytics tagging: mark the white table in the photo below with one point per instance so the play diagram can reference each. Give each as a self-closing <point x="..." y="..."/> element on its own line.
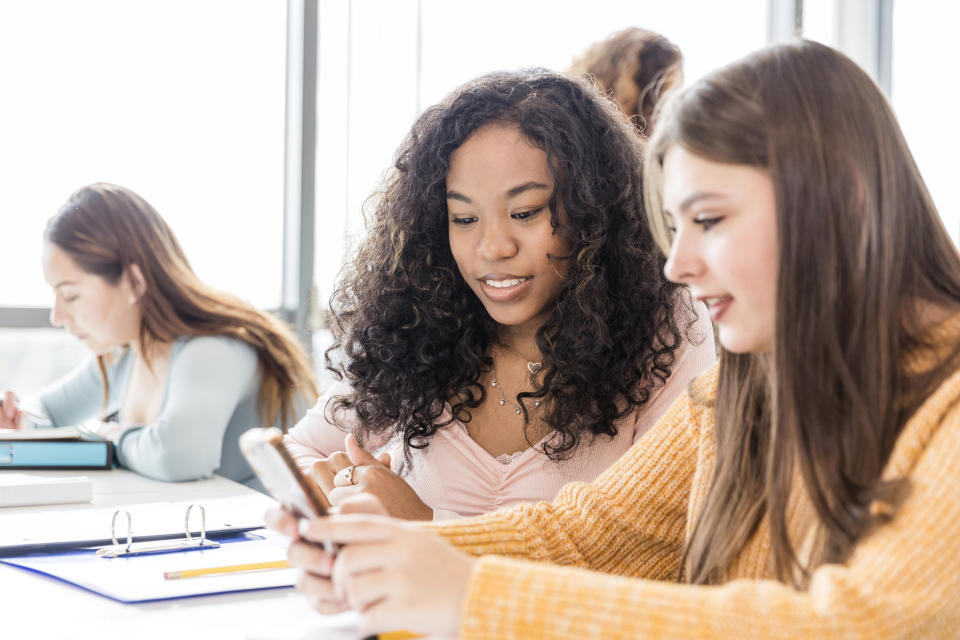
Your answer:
<point x="33" y="606"/>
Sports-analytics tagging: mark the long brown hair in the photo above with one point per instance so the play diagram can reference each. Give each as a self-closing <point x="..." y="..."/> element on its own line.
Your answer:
<point x="106" y="228"/>
<point x="638" y="67"/>
<point x="860" y="246"/>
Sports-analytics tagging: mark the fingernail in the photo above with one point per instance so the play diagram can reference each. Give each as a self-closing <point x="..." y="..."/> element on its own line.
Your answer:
<point x="303" y="525"/>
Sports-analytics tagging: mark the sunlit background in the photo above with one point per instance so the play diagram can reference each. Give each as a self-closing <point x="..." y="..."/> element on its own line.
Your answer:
<point x="185" y="101"/>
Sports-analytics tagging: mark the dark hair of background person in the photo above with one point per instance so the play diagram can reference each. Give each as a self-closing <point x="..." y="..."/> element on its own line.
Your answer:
<point x="105" y="228"/>
<point x="638" y="67"/>
<point x="414" y="335"/>
<point x="861" y="248"/>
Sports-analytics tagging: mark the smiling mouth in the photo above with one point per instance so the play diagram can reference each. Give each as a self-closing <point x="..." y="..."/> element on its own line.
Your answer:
<point x="505" y="284"/>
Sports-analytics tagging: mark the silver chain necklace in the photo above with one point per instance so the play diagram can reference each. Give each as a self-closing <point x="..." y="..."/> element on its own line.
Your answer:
<point x="532" y="367"/>
<point x="503" y="398"/>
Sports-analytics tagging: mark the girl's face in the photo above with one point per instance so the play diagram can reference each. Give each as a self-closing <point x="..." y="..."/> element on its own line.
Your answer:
<point x="498" y="190"/>
<point x="101" y="315"/>
<point x="725" y="244"/>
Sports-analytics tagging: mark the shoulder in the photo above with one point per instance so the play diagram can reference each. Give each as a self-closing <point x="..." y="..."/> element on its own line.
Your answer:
<point x="938" y="416"/>
<point x="214" y="351"/>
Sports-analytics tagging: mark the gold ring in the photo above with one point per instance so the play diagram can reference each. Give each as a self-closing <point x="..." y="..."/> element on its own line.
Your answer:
<point x="348" y="474"/>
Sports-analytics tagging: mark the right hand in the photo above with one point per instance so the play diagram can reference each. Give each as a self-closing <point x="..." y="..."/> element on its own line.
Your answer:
<point x="325" y="470"/>
<point x="314" y="563"/>
<point x="10" y="416"/>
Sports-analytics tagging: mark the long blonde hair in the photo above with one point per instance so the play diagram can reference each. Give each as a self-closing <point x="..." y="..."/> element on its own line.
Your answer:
<point x="106" y="228"/>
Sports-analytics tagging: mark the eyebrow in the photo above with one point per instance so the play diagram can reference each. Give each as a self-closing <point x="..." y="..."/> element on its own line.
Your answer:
<point x="697" y="196"/>
<point x="63" y="284"/>
<point x="511" y="193"/>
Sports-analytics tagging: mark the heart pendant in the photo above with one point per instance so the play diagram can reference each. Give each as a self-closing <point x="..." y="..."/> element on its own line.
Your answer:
<point x="534" y="367"/>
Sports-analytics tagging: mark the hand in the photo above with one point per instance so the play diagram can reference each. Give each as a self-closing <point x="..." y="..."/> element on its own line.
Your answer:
<point x="373" y="476"/>
<point x="315" y="563"/>
<point x="397" y="575"/>
<point x="107" y="430"/>
<point x="325" y="470"/>
<point x="10" y="416"/>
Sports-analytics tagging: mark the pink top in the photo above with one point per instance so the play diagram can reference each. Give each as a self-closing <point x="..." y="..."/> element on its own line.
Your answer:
<point x="456" y="477"/>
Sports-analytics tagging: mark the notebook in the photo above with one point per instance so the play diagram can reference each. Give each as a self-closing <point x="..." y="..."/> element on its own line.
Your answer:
<point x="140" y="578"/>
<point x="20" y="489"/>
<point x="49" y="531"/>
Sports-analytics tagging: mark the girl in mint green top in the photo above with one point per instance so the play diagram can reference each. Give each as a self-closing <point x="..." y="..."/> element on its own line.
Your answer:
<point x="180" y="369"/>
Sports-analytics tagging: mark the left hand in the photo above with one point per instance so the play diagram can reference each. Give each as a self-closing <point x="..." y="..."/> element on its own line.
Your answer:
<point x="373" y="476"/>
<point x="107" y="430"/>
<point x="397" y="575"/>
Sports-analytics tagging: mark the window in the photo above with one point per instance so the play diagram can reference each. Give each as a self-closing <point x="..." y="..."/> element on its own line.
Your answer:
<point x="382" y="63"/>
<point x="926" y="94"/>
<point x="181" y="101"/>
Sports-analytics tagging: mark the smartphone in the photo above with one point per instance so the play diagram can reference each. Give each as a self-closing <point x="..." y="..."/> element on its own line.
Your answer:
<point x="280" y="475"/>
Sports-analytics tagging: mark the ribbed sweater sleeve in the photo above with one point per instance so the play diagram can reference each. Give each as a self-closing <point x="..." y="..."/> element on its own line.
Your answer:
<point x="903" y="581"/>
<point x="642" y="514"/>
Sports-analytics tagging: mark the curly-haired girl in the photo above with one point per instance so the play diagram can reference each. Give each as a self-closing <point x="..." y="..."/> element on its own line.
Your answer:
<point x="506" y="326"/>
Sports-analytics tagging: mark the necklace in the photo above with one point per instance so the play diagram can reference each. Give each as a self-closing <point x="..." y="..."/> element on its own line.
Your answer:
<point x="505" y="400"/>
<point x="532" y="367"/>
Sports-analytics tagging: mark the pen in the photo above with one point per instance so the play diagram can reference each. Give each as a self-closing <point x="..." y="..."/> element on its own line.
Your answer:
<point x="233" y="568"/>
<point x="37" y="418"/>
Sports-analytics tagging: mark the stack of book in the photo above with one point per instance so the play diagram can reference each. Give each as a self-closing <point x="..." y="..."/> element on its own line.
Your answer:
<point x="53" y="448"/>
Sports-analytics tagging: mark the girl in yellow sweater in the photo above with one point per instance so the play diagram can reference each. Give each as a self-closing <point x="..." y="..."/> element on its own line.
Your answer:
<point x="806" y="487"/>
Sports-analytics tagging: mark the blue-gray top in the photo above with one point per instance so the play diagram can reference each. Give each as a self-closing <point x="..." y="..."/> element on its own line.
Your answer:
<point x="209" y="400"/>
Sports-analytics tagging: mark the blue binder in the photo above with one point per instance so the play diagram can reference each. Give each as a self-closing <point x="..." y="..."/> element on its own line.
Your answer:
<point x="56" y="454"/>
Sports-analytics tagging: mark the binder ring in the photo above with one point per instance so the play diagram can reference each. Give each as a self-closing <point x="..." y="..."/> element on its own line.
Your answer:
<point x="113" y="529"/>
<point x="144" y="547"/>
<point x="203" y="524"/>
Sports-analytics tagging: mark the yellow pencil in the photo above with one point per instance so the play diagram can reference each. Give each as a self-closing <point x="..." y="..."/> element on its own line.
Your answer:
<point x="233" y="568"/>
<point x="397" y="635"/>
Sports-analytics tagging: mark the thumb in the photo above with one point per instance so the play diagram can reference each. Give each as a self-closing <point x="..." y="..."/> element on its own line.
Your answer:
<point x="357" y="454"/>
<point x="384" y="458"/>
<point x="363" y="503"/>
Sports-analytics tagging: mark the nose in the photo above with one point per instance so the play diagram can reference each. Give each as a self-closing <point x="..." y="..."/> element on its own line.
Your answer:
<point x="56" y="313"/>
<point x="497" y="241"/>
<point x="684" y="264"/>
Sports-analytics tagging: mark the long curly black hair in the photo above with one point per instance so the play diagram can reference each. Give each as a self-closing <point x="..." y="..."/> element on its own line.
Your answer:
<point x="412" y="338"/>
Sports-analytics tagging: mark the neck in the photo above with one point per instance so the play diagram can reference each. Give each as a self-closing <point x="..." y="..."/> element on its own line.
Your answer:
<point x="521" y="340"/>
<point x="152" y="350"/>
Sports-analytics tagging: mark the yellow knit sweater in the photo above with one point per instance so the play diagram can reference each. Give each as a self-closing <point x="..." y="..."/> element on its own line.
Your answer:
<point x="618" y="542"/>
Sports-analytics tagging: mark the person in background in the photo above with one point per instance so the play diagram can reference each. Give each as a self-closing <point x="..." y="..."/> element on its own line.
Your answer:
<point x="806" y="487"/>
<point x="180" y="370"/>
<point x="637" y="67"/>
<point x="505" y="327"/>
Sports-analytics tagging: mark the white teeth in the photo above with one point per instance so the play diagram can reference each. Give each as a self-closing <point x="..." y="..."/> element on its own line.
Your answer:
<point x="715" y="300"/>
<point x="503" y="284"/>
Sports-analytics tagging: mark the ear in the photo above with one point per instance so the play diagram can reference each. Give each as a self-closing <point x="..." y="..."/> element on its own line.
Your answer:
<point x="138" y="283"/>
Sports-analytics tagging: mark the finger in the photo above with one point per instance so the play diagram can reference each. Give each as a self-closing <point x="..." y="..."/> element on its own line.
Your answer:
<point x="363" y="503"/>
<point x="358" y="455"/>
<point x="349" y="477"/>
<point x="320" y="591"/>
<point x="352" y="528"/>
<point x="327" y="607"/>
<point x="323" y="471"/>
<point x="282" y="521"/>
<point x="382" y="617"/>
<point x="9" y="405"/>
<point x="341" y="494"/>
<point x="310" y="557"/>
<point x="363" y="591"/>
<point x="361" y="559"/>
<point x="384" y="458"/>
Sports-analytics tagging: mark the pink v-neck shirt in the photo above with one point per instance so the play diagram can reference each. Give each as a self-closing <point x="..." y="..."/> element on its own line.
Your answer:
<point x="456" y="477"/>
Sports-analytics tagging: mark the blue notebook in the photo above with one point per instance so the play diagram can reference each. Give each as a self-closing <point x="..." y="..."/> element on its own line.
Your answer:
<point x="140" y="578"/>
<point x="56" y="454"/>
